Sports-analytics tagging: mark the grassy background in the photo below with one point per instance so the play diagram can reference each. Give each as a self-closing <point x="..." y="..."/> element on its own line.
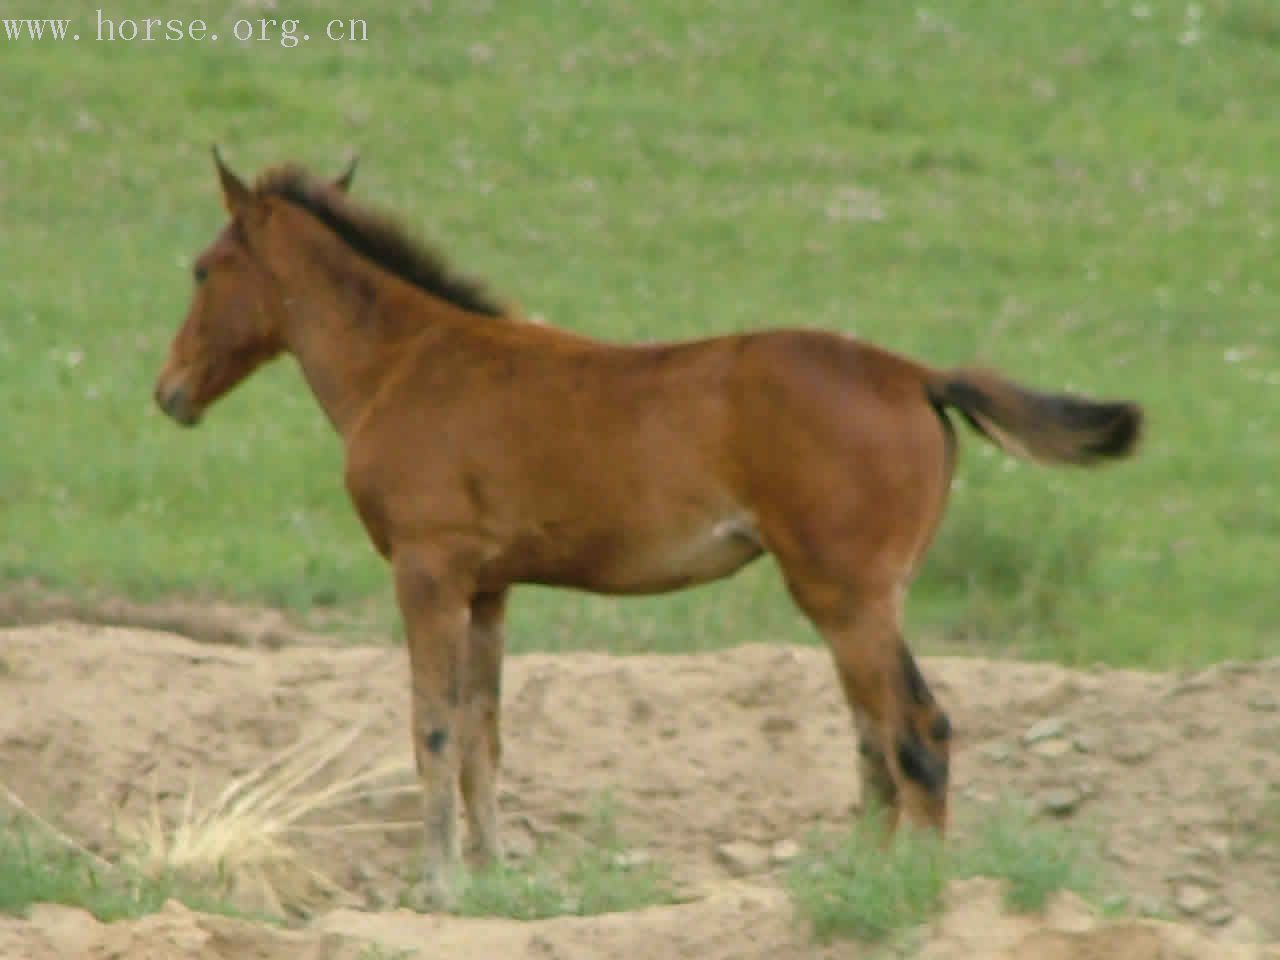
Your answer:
<point x="1083" y="194"/>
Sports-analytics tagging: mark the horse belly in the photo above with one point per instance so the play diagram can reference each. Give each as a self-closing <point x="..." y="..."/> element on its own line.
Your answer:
<point x="673" y="562"/>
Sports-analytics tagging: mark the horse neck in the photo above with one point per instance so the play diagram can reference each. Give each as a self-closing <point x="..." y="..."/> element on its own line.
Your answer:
<point x="347" y="323"/>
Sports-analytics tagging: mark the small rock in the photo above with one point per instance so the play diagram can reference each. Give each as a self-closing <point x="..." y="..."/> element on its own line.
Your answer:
<point x="1115" y="903"/>
<point x="1191" y="899"/>
<point x="1133" y="751"/>
<point x="1052" y="749"/>
<point x="1264" y="702"/>
<point x="1054" y="696"/>
<point x="1085" y="742"/>
<point x="1236" y="666"/>
<point x="1196" y="815"/>
<point x="1192" y="683"/>
<point x="742" y="858"/>
<point x="518" y="847"/>
<point x="1266" y="737"/>
<point x="1124" y="856"/>
<point x="1199" y="878"/>
<point x="1147" y="906"/>
<point x="1198" y="728"/>
<point x="784" y="851"/>
<point x="1046" y="729"/>
<point x="524" y="823"/>
<point x="1058" y="801"/>
<point x="630" y="859"/>
<point x="1242" y="929"/>
<point x="1218" y="844"/>
<point x="1220" y="915"/>
<point x="72" y="931"/>
<point x="778" y="723"/>
<point x="997" y="752"/>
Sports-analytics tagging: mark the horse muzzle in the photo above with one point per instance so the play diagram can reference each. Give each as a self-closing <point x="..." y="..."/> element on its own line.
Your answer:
<point x="176" y="403"/>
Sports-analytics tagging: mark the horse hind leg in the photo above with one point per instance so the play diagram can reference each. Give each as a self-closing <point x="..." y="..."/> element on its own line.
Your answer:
<point x="904" y="736"/>
<point x="923" y="747"/>
<point x="879" y="792"/>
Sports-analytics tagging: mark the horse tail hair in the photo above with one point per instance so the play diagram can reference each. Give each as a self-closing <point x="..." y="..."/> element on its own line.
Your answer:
<point x="1051" y="428"/>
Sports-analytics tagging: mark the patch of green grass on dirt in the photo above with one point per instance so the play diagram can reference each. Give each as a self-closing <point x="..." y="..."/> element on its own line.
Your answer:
<point x="857" y="887"/>
<point x="376" y="952"/>
<point x="34" y="869"/>
<point x="1035" y="857"/>
<point x="595" y="875"/>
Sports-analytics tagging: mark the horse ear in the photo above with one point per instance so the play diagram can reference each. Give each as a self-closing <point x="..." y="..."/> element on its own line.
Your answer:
<point x="235" y="195"/>
<point x="343" y="180"/>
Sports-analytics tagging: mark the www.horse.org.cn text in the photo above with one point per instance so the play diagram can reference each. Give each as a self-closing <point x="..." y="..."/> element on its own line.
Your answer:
<point x="285" y="31"/>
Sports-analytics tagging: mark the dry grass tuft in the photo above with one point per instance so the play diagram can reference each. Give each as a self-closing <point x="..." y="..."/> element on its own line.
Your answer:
<point x="245" y="843"/>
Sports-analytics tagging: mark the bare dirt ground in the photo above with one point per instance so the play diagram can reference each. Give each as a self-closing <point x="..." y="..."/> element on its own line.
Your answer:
<point x="718" y="764"/>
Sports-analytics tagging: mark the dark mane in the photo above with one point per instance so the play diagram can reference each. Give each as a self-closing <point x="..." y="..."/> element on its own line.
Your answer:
<point x="377" y="237"/>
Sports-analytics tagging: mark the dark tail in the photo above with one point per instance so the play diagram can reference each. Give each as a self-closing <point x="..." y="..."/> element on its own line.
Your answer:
<point x="1046" y="427"/>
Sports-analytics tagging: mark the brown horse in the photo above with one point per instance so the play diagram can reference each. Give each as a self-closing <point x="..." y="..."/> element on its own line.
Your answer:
<point x="483" y="451"/>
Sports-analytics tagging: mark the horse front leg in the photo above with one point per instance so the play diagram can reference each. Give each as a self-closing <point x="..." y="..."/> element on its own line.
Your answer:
<point x="436" y="618"/>
<point x="481" y="743"/>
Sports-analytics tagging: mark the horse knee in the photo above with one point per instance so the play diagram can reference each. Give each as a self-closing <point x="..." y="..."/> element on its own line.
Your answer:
<point x="435" y="740"/>
<point x="431" y="742"/>
<point x="434" y="731"/>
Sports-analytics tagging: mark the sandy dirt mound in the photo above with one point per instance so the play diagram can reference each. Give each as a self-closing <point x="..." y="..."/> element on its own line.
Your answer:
<point x="717" y="764"/>
<point x="741" y="922"/>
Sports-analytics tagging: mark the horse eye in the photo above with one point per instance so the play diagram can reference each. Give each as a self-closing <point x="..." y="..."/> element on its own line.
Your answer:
<point x="201" y="273"/>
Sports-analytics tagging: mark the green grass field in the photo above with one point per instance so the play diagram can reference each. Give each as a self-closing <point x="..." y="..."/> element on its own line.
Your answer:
<point x="1082" y="194"/>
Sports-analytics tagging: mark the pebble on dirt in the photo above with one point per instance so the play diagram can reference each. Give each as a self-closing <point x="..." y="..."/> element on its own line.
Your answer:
<point x="1058" y="801"/>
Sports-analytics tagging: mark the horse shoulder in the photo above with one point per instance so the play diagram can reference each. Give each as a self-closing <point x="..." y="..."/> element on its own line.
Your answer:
<point x="360" y="477"/>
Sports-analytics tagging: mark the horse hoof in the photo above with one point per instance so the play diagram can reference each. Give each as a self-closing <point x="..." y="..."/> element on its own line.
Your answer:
<point x="431" y="895"/>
